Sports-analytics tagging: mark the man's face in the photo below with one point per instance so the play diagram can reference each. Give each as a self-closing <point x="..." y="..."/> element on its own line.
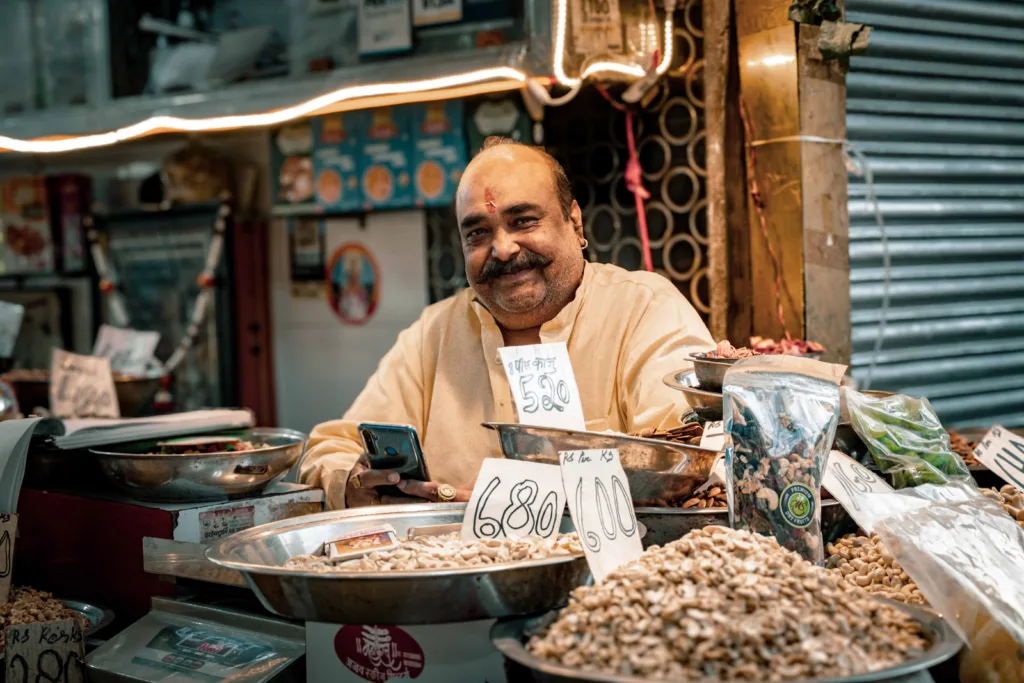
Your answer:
<point x="523" y="259"/>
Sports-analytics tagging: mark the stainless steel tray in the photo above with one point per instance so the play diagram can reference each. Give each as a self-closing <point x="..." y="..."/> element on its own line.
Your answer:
<point x="509" y="637"/>
<point x="655" y="468"/>
<point x="402" y="598"/>
<point x="667" y="524"/>
<point x="205" y="477"/>
<point x="99" y="617"/>
<point x="707" y="404"/>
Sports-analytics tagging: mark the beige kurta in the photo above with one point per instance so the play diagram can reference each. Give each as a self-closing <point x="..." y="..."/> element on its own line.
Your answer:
<point x="624" y="330"/>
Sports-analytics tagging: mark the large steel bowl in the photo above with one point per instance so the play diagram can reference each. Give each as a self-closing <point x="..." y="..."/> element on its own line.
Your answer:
<point x="205" y="477"/>
<point x="655" y="469"/>
<point x="397" y="597"/>
<point x="707" y="404"/>
<point x="133" y="393"/>
<point x="509" y="637"/>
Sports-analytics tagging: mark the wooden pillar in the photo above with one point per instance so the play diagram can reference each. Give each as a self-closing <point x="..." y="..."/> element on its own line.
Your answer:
<point x="792" y="100"/>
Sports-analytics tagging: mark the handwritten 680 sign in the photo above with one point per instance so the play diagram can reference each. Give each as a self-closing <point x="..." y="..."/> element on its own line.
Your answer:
<point x="601" y="506"/>
<point x="513" y="498"/>
<point x="543" y="385"/>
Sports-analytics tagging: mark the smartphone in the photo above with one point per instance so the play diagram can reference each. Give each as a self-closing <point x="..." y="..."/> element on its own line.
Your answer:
<point x="394" y="447"/>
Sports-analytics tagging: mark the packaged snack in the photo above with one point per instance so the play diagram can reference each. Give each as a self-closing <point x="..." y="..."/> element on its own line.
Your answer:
<point x="780" y="419"/>
<point x="336" y="159"/>
<point x="905" y="438"/>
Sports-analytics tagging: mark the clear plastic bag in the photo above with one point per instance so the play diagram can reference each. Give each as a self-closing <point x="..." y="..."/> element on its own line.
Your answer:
<point x="905" y="438"/>
<point x="780" y="417"/>
<point x="967" y="557"/>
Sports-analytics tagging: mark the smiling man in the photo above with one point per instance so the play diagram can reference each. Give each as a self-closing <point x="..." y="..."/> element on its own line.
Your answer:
<point x="522" y="237"/>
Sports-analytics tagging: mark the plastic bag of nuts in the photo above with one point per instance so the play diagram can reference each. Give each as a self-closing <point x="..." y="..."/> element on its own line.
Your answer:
<point x="780" y="419"/>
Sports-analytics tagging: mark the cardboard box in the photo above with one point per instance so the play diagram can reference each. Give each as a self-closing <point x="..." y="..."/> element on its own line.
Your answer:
<point x="387" y="159"/>
<point x="27" y="233"/>
<point x="439" y="151"/>
<point x="336" y="161"/>
<point x="437" y="653"/>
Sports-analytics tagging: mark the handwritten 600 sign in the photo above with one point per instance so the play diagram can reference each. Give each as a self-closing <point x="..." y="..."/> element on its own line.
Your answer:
<point x="544" y="385"/>
<point x="81" y="386"/>
<point x="512" y="498"/>
<point x="601" y="506"/>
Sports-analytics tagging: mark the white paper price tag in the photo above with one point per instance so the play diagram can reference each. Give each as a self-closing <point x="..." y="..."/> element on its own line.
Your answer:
<point x="513" y="498"/>
<point x="1002" y="451"/>
<point x="847" y="480"/>
<point x="48" y="651"/>
<point x="544" y="385"/>
<point x="713" y="436"/>
<point x="601" y="506"/>
<point x="129" y="350"/>
<point x="426" y="12"/>
<point x="81" y="386"/>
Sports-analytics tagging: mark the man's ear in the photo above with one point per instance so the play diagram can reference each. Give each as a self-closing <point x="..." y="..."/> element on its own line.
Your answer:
<point x="576" y="218"/>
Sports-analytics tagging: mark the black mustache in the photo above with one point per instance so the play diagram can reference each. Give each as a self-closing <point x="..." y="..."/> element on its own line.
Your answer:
<point x="525" y="260"/>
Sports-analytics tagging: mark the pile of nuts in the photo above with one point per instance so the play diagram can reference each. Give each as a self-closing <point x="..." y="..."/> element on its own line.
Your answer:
<point x="713" y="497"/>
<point x="1009" y="497"/>
<point x="727" y="605"/>
<point x="29" y="606"/>
<point x="688" y="434"/>
<point x="963" y="448"/>
<point x="863" y="561"/>
<point x="447" y="551"/>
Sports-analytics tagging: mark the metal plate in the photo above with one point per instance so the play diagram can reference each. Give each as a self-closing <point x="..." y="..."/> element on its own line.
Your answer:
<point x="99" y="617"/>
<point x="707" y="404"/>
<point x="404" y="598"/>
<point x="509" y="637"/>
<point x="655" y="469"/>
<point x="205" y="477"/>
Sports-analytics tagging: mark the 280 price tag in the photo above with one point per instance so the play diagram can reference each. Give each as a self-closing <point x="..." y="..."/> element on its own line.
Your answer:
<point x="53" y="652"/>
<point x="601" y="506"/>
<point x="544" y="385"/>
<point x="513" y="498"/>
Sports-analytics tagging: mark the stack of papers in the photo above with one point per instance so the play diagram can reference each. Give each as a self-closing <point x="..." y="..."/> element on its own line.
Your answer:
<point x="99" y="431"/>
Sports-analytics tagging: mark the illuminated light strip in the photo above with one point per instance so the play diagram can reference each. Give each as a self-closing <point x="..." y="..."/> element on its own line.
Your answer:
<point x="317" y="104"/>
<point x="632" y="70"/>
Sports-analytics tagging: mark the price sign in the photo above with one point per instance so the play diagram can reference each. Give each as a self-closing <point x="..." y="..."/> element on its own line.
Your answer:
<point x="513" y="498"/>
<point x="713" y="436"/>
<point x="596" y="26"/>
<point x="544" y="385"/>
<point x="81" y="386"/>
<point x="128" y="350"/>
<point x="847" y="480"/>
<point x="11" y="316"/>
<point x="1002" y="451"/>
<point x="426" y="12"/>
<point x="8" y="532"/>
<point x="51" y="651"/>
<point x="602" y="508"/>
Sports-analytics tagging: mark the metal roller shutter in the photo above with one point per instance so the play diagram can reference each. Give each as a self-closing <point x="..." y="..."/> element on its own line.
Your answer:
<point x="936" y="108"/>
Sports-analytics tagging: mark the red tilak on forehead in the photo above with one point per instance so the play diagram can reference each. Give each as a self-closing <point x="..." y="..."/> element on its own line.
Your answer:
<point x="489" y="201"/>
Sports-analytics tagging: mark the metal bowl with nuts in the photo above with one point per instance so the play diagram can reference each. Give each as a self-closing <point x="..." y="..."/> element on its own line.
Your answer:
<point x="723" y="604"/>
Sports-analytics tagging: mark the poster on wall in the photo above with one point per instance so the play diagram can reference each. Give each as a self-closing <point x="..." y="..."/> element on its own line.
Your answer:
<point x="353" y="283"/>
<point x="306" y="251"/>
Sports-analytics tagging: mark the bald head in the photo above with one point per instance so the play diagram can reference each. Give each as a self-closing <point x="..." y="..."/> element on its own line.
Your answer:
<point x="522" y="233"/>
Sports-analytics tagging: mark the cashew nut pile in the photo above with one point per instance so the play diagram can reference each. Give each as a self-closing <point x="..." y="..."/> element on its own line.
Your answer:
<point x="1009" y="497"/>
<point x="29" y="606"/>
<point x="445" y="552"/>
<point x="864" y="562"/>
<point x="727" y="605"/>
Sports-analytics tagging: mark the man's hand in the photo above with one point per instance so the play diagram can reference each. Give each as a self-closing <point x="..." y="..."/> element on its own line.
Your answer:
<point x="363" y="482"/>
<point x="427" y="491"/>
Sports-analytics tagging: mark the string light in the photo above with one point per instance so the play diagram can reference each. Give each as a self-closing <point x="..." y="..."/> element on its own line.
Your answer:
<point x="260" y="120"/>
<point x="489" y="80"/>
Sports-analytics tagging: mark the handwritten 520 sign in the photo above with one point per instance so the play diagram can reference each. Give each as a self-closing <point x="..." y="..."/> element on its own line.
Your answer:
<point x="514" y="498"/>
<point x="543" y="385"/>
<point x="602" y="508"/>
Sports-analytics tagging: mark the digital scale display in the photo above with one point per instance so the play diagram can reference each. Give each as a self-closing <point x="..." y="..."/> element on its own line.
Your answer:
<point x="201" y="655"/>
